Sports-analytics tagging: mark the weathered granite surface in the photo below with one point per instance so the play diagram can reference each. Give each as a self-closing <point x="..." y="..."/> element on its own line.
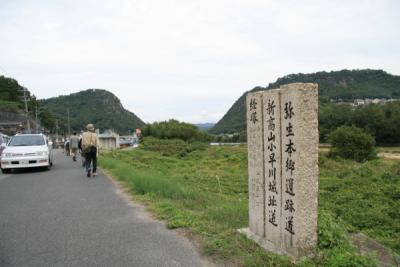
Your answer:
<point x="299" y="113"/>
<point x="282" y="130"/>
<point x="273" y="168"/>
<point x="256" y="163"/>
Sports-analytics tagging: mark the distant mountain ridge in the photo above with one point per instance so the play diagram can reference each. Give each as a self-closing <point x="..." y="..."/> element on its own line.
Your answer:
<point x="344" y="84"/>
<point x="205" y="126"/>
<point x="97" y="106"/>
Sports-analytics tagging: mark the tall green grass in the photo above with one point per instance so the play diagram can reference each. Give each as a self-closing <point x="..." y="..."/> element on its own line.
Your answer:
<point x="364" y="195"/>
<point x="205" y="190"/>
<point x="143" y="182"/>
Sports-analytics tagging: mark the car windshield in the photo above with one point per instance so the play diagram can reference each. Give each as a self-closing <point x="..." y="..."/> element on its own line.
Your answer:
<point x="27" y="140"/>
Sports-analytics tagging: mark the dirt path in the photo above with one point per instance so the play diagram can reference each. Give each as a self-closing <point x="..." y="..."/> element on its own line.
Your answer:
<point x="389" y="155"/>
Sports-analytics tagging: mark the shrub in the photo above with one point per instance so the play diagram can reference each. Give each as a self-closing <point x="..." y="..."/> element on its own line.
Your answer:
<point x="352" y="143"/>
<point x="174" y="129"/>
<point x="171" y="147"/>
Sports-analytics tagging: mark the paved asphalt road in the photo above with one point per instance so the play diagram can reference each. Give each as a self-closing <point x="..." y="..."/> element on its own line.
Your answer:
<point x="62" y="218"/>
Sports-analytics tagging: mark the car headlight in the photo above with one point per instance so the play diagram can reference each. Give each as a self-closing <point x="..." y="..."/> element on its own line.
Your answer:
<point x="7" y="155"/>
<point x="42" y="153"/>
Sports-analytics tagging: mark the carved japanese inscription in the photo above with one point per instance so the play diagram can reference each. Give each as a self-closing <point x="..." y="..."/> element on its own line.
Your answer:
<point x="299" y="167"/>
<point x="282" y="128"/>
<point x="272" y="163"/>
<point x="256" y="163"/>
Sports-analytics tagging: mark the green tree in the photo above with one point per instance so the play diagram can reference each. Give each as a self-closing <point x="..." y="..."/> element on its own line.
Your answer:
<point x="174" y="129"/>
<point x="350" y="142"/>
<point x="12" y="99"/>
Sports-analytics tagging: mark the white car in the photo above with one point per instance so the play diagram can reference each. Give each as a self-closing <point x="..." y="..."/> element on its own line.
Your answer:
<point x="26" y="151"/>
<point x="3" y="141"/>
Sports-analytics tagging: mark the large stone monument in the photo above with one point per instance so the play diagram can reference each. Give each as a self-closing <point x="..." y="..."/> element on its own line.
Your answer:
<point x="282" y="133"/>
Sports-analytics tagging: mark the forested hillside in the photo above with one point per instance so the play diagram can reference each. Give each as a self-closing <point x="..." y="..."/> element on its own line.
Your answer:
<point x="381" y="121"/>
<point x="96" y="106"/>
<point x="12" y="100"/>
<point x="345" y="84"/>
<point x="11" y="91"/>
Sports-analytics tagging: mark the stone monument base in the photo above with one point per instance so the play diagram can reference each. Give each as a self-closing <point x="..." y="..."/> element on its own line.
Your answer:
<point x="264" y="243"/>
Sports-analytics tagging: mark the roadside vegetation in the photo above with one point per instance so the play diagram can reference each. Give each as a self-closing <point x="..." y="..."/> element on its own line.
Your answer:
<point x="11" y="100"/>
<point x="204" y="189"/>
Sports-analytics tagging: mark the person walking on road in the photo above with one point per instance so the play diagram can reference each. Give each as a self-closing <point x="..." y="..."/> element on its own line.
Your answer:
<point x="89" y="148"/>
<point x="81" y="151"/>
<point x="74" y="141"/>
<point x="67" y="147"/>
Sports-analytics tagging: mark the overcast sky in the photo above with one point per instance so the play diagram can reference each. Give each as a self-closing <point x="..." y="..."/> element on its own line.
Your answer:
<point x="189" y="59"/>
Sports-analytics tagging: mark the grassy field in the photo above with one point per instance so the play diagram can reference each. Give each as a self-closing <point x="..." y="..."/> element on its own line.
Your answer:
<point x="204" y="189"/>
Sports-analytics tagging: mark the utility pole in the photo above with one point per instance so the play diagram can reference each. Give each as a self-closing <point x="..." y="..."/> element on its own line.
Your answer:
<point x="36" y="118"/>
<point x="26" y="110"/>
<point x="56" y="130"/>
<point x="69" y="126"/>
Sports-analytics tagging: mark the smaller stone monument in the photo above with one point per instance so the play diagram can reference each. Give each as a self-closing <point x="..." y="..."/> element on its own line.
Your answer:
<point x="282" y="133"/>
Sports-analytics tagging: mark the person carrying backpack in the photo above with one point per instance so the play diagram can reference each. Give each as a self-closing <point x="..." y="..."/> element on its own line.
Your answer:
<point x="89" y="148"/>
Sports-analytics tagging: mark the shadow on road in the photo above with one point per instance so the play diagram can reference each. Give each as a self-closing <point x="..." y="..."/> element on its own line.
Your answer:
<point x="29" y="170"/>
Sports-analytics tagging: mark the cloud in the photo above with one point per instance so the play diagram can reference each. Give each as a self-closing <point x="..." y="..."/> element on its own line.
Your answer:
<point x="155" y="55"/>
